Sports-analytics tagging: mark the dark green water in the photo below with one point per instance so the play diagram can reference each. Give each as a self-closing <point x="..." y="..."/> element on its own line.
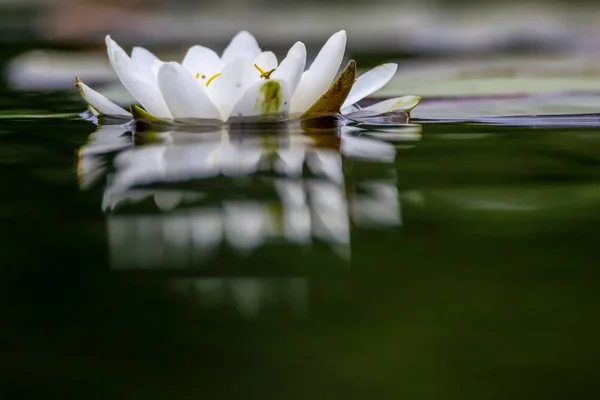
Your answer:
<point x="461" y="264"/>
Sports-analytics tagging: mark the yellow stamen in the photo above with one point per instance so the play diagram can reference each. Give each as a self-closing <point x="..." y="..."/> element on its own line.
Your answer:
<point x="78" y="83"/>
<point x="263" y="73"/>
<point x="212" y="77"/>
<point x="197" y="75"/>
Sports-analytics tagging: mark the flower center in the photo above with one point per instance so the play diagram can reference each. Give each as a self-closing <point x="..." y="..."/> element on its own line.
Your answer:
<point x="212" y="78"/>
<point x="263" y="73"/>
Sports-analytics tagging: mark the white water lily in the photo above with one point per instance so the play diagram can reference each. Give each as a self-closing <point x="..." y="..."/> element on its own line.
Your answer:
<point x="244" y="81"/>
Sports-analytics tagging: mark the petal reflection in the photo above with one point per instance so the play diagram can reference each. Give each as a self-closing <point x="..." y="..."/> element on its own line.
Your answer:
<point x="175" y="199"/>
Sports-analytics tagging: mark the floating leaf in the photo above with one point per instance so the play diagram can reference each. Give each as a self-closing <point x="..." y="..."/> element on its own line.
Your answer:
<point x="545" y="109"/>
<point x="503" y="75"/>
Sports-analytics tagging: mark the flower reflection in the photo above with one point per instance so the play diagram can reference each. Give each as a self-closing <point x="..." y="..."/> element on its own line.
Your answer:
<point x="249" y="296"/>
<point x="175" y="201"/>
<point x="92" y="164"/>
<point x="186" y="238"/>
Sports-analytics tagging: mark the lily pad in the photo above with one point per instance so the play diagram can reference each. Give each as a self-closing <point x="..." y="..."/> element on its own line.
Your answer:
<point x="548" y="109"/>
<point x="502" y="75"/>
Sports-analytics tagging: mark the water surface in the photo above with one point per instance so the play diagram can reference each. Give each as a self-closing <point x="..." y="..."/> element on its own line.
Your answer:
<point x="451" y="260"/>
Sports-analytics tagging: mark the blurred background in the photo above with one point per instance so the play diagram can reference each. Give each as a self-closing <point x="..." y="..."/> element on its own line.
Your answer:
<point x="502" y="40"/>
<point x="393" y="25"/>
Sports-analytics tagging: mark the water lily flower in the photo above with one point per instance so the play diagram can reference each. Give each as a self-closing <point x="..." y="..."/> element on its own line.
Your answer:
<point x="243" y="82"/>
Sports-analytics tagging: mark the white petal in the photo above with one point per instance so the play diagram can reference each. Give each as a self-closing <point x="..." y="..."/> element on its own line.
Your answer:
<point x="292" y="66"/>
<point x="397" y="103"/>
<point x="144" y="59"/>
<point x="184" y="97"/>
<point x="142" y="89"/>
<point x="146" y="63"/>
<point x="228" y="88"/>
<point x="267" y="97"/>
<point x="370" y="82"/>
<point x="317" y="79"/>
<point x="242" y="46"/>
<point x="266" y="60"/>
<point x="100" y="102"/>
<point x="203" y="61"/>
<point x="155" y="67"/>
<point x="350" y="109"/>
